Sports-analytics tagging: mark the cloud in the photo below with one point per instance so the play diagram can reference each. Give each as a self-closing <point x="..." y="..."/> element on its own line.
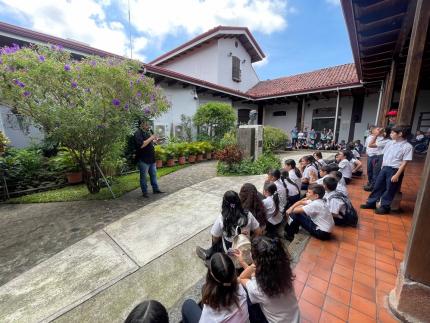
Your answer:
<point x="81" y="20"/>
<point x="166" y="17"/>
<point x="333" y="2"/>
<point x="261" y="63"/>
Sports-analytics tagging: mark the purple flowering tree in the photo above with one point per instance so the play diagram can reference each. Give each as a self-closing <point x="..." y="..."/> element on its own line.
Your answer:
<point x="88" y="106"/>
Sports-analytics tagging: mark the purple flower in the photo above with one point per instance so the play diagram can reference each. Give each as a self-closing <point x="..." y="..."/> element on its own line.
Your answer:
<point x="67" y="67"/>
<point x="53" y="47"/>
<point x="88" y="90"/>
<point x="126" y="107"/>
<point x="138" y="94"/>
<point x="60" y="47"/>
<point x="27" y="93"/>
<point x="19" y="83"/>
<point x="93" y="63"/>
<point x="116" y="102"/>
<point x="41" y="58"/>
<point x="147" y="110"/>
<point x="131" y="84"/>
<point x="74" y="84"/>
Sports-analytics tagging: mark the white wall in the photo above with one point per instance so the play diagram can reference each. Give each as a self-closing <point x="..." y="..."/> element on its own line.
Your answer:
<point x="19" y="138"/>
<point x="368" y="117"/>
<point x="287" y="123"/>
<point x="248" y="76"/>
<point x="201" y="63"/>
<point x="423" y="105"/>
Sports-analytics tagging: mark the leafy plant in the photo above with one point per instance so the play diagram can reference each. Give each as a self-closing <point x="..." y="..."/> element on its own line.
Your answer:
<point x="228" y="139"/>
<point x="170" y="151"/>
<point x="229" y="155"/>
<point x="64" y="162"/>
<point x="4" y="141"/>
<point x="187" y="126"/>
<point x="192" y="148"/>
<point x="215" y="118"/>
<point x="160" y="153"/>
<point x="87" y="105"/>
<point x="273" y="138"/>
<point x="181" y="149"/>
<point x="249" y="167"/>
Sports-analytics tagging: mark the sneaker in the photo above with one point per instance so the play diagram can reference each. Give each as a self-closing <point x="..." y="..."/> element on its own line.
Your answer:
<point x="145" y="195"/>
<point x="158" y="192"/>
<point x="368" y="188"/>
<point x="367" y="206"/>
<point x="201" y="253"/>
<point x="382" y="210"/>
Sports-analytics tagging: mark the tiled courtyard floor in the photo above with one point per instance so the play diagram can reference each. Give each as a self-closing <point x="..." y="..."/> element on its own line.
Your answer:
<point x="349" y="278"/>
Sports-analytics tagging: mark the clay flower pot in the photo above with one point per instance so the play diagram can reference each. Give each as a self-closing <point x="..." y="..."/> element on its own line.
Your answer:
<point x="181" y="160"/>
<point x="209" y="156"/>
<point x="159" y="163"/>
<point x="199" y="157"/>
<point x="74" y="177"/>
<point x="170" y="162"/>
<point x="192" y="159"/>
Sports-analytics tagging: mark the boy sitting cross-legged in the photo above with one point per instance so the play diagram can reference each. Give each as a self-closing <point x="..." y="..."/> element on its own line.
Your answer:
<point x="312" y="214"/>
<point x="339" y="205"/>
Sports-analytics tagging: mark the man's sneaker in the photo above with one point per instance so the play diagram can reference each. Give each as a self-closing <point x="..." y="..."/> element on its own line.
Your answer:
<point x="145" y="195"/>
<point x="382" y="210"/>
<point x="158" y="192"/>
<point x="368" y="188"/>
<point x="367" y="206"/>
<point x="201" y="253"/>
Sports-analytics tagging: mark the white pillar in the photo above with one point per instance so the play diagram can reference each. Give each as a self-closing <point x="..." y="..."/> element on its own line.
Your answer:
<point x="336" y="116"/>
<point x="379" y="103"/>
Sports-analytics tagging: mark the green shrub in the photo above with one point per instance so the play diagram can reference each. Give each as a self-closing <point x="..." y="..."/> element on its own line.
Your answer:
<point x="273" y="139"/>
<point x="248" y="167"/>
<point x="229" y="139"/>
<point x="160" y="153"/>
<point x="214" y="119"/>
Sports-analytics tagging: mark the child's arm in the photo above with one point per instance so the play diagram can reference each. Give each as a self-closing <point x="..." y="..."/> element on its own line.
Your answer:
<point x="399" y="172"/>
<point x="246" y="275"/>
<point x="357" y="165"/>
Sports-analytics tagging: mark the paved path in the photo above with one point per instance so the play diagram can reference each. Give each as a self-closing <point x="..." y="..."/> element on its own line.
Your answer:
<point x="32" y="233"/>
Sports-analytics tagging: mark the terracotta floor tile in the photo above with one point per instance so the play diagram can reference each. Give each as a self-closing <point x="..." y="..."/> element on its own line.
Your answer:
<point x="298" y="288"/>
<point x="309" y="311"/>
<point x="384" y="316"/>
<point x="326" y="317"/>
<point x="336" y="308"/>
<point x="386" y="277"/>
<point x="366" y="245"/>
<point x="366" y="252"/>
<point x="317" y="283"/>
<point x="339" y="294"/>
<point x="398" y="255"/>
<point x="363" y="305"/>
<point x="328" y="255"/>
<point x="341" y="281"/>
<point x="365" y="269"/>
<point x="344" y="261"/>
<point x="301" y="275"/>
<point x="391" y="269"/>
<point x="381" y="298"/>
<point x="348" y="246"/>
<point x="304" y="265"/>
<point x="344" y="271"/>
<point x="325" y="264"/>
<point x="346" y="253"/>
<point x="399" y="246"/>
<point x="364" y="291"/>
<point x="383" y="286"/>
<point x="321" y="273"/>
<point x="365" y="279"/>
<point x="365" y="260"/>
<point x="358" y="317"/>
<point x="313" y="296"/>
<point x="306" y="256"/>
<point x="386" y="259"/>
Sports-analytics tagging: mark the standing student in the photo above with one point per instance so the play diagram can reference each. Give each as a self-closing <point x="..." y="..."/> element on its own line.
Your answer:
<point x="294" y="136"/>
<point x="312" y="215"/>
<point x="252" y="202"/>
<point x="310" y="171"/>
<point x="344" y="165"/>
<point x="397" y="153"/>
<point x="223" y="298"/>
<point x="293" y="172"/>
<point x="292" y="188"/>
<point x="269" y="281"/>
<point x="274" y="214"/>
<point x="232" y="220"/>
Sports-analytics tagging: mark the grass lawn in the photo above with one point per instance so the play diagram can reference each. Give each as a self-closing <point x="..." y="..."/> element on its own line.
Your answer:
<point x="121" y="185"/>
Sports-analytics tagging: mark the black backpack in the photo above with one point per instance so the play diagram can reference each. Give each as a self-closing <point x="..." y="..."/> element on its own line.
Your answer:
<point x="350" y="216"/>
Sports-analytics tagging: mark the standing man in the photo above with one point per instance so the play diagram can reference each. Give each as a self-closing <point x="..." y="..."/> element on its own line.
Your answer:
<point x="294" y="134"/>
<point x="145" y="156"/>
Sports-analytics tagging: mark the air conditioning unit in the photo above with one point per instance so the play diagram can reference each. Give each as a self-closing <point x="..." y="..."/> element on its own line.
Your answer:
<point x="161" y="130"/>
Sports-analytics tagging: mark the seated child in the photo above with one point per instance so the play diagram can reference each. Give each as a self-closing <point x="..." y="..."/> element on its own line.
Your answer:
<point x="150" y="311"/>
<point x="357" y="167"/>
<point x="324" y="172"/>
<point x="344" y="165"/>
<point x="273" y="211"/>
<point x="312" y="214"/>
<point x="292" y="188"/>
<point x="309" y="170"/>
<point x="341" y="185"/>
<point x="339" y="205"/>
<point x="318" y="157"/>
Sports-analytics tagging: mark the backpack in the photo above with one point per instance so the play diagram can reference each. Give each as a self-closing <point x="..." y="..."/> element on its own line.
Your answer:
<point x="350" y="216"/>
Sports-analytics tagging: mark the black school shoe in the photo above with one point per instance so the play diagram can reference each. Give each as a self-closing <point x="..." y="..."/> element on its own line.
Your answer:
<point x="367" y="206"/>
<point x="382" y="210"/>
<point x="201" y="253"/>
<point x="145" y="195"/>
<point x="368" y="188"/>
<point x="158" y="192"/>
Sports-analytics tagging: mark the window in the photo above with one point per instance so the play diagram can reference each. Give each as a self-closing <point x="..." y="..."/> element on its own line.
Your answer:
<point x="280" y="113"/>
<point x="236" y="69"/>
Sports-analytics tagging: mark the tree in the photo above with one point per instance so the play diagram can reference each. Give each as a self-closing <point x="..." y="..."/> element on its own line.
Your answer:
<point x="87" y="105"/>
<point x="218" y="118"/>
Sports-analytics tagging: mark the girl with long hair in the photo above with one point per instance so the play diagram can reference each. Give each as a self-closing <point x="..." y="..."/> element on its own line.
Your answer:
<point x="252" y="202"/>
<point x="293" y="172"/>
<point x="232" y="221"/>
<point x="273" y="209"/>
<point x="292" y="188"/>
<point x="274" y="176"/>
<point x="150" y="311"/>
<point x="223" y="298"/>
<point x="269" y="281"/>
<point x="309" y="171"/>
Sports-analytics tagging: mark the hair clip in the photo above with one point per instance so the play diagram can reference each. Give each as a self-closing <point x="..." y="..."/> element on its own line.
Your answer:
<point x="232" y="205"/>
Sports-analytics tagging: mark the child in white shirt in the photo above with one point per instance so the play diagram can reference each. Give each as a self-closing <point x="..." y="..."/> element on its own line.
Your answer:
<point x="344" y="166"/>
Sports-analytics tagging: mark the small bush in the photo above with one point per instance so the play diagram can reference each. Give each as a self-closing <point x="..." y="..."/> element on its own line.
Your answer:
<point x="273" y="139"/>
<point x="229" y="155"/>
<point x="229" y="139"/>
<point x="248" y="167"/>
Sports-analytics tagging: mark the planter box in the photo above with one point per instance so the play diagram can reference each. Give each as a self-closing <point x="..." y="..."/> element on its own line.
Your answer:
<point x="74" y="178"/>
<point x="170" y="162"/>
<point x="158" y="163"/>
<point x="199" y="157"/>
<point x="208" y="156"/>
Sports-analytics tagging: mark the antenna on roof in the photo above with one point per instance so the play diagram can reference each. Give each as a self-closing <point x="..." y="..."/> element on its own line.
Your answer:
<point x="129" y="30"/>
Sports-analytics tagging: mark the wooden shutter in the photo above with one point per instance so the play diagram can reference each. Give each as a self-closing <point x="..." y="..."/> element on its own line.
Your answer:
<point x="236" y="69"/>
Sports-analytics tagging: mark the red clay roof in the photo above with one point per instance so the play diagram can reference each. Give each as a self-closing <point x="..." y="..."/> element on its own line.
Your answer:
<point x="251" y="46"/>
<point x="331" y="77"/>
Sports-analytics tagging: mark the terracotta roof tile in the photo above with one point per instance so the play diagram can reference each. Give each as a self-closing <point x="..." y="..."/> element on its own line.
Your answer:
<point x="342" y="75"/>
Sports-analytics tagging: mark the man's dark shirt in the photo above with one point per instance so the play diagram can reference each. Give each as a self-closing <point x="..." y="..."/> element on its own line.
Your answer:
<point x="147" y="153"/>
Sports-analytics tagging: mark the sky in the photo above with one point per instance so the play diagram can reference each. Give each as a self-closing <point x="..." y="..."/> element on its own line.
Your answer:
<point x="296" y="36"/>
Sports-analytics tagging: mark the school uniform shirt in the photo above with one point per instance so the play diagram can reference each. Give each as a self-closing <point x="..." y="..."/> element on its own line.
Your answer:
<point x="345" y="168"/>
<point x="271" y="215"/>
<point x="352" y="162"/>
<point x="232" y="314"/>
<point x="381" y="145"/>
<point x="292" y="189"/>
<point x="355" y="153"/>
<point x="282" y="193"/>
<point x="218" y="227"/>
<point x="370" y="151"/>
<point x="308" y="170"/>
<point x="395" y="152"/>
<point x="341" y="187"/>
<point x="319" y="213"/>
<point x="320" y="180"/>
<point x="335" y="205"/>
<point x="282" y="308"/>
<point x="321" y="162"/>
<point x="292" y="175"/>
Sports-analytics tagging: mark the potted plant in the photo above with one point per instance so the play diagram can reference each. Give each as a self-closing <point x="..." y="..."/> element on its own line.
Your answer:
<point x="200" y="151"/>
<point x="65" y="162"/>
<point x="208" y="147"/>
<point x="192" y="152"/>
<point x="170" y="155"/>
<point x="181" y="152"/>
<point x="160" y="156"/>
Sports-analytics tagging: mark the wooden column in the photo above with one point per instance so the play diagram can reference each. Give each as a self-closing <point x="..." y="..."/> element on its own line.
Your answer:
<point x="409" y="91"/>
<point x="387" y="95"/>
